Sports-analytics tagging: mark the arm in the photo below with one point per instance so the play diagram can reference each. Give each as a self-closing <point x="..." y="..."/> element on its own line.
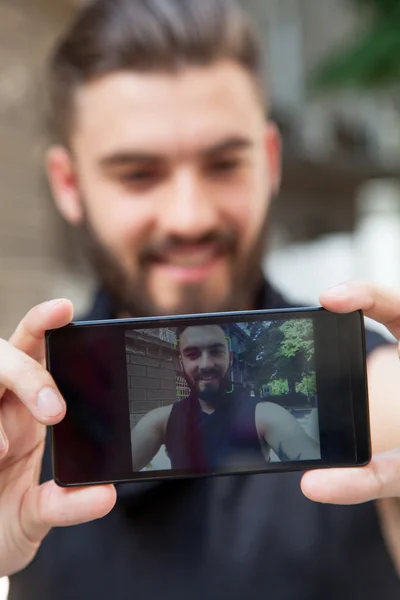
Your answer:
<point x="379" y="480"/>
<point x="147" y="436"/>
<point x="383" y="370"/>
<point x="384" y="394"/>
<point x="284" y="434"/>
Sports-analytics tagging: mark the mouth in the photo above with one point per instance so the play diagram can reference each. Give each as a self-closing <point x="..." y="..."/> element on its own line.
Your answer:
<point x="208" y="378"/>
<point x="190" y="264"/>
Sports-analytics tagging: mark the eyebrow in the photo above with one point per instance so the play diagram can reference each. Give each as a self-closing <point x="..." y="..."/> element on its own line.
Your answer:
<point x="130" y="157"/>
<point x="231" y="144"/>
<point x="213" y="346"/>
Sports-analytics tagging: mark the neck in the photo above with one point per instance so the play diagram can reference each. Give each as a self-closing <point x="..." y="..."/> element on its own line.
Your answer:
<point x="206" y="408"/>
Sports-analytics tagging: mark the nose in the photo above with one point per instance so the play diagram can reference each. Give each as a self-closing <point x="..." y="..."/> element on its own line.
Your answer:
<point x="189" y="212"/>
<point x="206" y="361"/>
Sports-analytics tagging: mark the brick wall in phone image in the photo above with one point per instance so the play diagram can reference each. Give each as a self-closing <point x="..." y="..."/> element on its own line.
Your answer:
<point x="154" y="375"/>
<point x="154" y="372"/>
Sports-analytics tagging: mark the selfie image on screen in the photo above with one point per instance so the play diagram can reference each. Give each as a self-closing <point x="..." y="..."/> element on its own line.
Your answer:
<point x="215" y="397"/>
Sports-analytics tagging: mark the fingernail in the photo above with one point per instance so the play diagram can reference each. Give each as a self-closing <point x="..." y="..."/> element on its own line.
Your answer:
<point x="339" y="290"/>
<point x="2" y="442"/>
<point x="49" y="402"/>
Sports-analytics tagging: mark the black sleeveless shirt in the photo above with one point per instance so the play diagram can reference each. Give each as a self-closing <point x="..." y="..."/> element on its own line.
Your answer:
<point x="224" y="538"/>
<point x="202" y="442"/>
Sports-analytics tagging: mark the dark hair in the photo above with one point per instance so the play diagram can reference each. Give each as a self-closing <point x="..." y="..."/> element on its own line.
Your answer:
<point x="147" y="36"/>
<point x="180" y="330"/>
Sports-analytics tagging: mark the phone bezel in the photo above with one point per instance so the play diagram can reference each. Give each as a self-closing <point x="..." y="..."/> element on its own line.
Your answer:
<point x="355" y="342"/>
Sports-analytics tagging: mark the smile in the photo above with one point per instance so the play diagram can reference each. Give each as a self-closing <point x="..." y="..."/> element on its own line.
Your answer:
<point x="191" y="257"/>
<point x="193" y="268"/>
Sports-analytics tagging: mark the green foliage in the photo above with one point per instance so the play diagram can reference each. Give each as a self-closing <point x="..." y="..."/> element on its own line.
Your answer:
<point x="298" y="337"/>
<point x="380" y="8"/>
<point x="372" y="60"/>
<point x="279" y="387"/>
<point x="280" y="354"/>
<point x="308" y="385"/>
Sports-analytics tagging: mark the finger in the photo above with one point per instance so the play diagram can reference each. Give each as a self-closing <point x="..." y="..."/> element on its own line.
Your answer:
<point x="378" y="303"/>
<point x="31" y="383"/>
<point x="379" y="479"/>
<point x="3" y="441"/>
<point x="50" y="506"/>
<point x="30" y="333"/>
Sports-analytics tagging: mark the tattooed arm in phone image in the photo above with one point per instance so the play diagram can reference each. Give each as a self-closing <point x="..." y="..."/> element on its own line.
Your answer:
<point x="281" y="431"/>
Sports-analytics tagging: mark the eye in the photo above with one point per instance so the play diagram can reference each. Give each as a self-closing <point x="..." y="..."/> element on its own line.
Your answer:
<point x="192" y="355"/>
<point x="225" y="165"/>
<point x="218" y="352"/>
<point x="140" y="176"/>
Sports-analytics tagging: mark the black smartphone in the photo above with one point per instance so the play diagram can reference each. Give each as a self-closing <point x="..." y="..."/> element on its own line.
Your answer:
<point x="212" y="394"/>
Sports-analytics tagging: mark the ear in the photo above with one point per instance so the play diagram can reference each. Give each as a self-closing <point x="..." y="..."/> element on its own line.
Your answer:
<point x="63" y="183"/>
<point x="181" y="362"/>
<point x="273" y="144"/>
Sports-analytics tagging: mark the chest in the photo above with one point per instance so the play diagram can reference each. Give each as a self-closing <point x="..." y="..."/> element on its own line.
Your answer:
<point x="227" y="538"/>
<point x="225" y="438"/>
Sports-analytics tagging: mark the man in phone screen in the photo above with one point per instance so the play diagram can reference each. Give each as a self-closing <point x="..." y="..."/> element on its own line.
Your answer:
<point x="217" y="427"/>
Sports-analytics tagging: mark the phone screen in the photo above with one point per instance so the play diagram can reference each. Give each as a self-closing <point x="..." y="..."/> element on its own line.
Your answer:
<point x="209" y="395"/>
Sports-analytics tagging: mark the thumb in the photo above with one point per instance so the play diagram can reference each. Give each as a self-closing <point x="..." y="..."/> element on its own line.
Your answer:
<point x="379" y="479"/>
<point x="30" y="334"/>
<point x="49" y="505"/>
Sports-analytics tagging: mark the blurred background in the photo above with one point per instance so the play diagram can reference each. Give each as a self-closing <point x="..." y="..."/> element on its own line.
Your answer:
<point x="333" y="71"/>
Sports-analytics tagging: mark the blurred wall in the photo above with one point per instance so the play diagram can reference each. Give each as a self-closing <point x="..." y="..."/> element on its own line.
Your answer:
<point x="322" y="173"/>
<point x="29" y="229"/>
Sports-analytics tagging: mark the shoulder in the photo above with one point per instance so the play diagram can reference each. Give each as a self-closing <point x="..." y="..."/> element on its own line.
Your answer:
<point x="156" y="417"/>
<point x="270" y="408"/>
<point x="268" y="414"/>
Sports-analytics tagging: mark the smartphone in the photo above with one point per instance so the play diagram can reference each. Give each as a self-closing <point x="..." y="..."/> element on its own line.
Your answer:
<point x="211" y="394"/>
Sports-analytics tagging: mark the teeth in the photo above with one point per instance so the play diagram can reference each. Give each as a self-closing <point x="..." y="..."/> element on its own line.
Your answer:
<point x="190" y="261"/>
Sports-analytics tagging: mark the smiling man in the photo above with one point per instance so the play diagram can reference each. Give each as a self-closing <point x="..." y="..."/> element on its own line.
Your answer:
<point x="166" y="170"/>
<point x="217" y="428"/>
<point x="167" y="162"/>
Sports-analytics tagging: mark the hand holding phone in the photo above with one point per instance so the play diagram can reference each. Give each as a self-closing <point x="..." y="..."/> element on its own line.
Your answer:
<point x="29" y="400"/>
<point x="206" y="395"/>
<point x="380" y="478"/>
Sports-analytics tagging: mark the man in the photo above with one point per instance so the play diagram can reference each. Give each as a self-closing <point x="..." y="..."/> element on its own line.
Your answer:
<point x="168" y="165"/>
<point x="215" y="428"/>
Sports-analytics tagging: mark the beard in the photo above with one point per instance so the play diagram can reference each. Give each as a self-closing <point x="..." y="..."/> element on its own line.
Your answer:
<point x="213" y="396"/>
<point x="129" y="292"/>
